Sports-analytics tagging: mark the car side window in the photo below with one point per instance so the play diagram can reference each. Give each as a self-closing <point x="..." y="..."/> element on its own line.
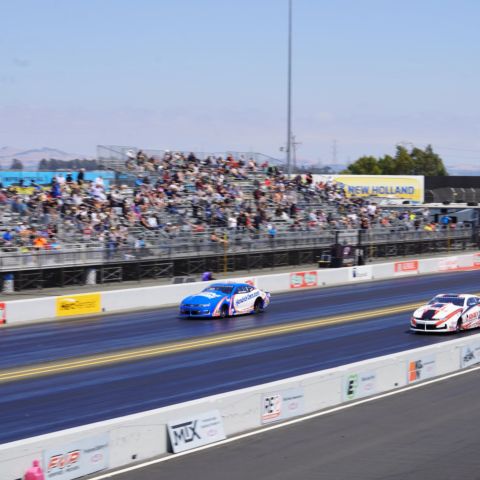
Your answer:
<point x="471" y="301"/>
<point x="241" y="290"/>
<point x="250" y="289"/>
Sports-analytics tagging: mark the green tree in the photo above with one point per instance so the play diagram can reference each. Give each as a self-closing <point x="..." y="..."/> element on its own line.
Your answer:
<point x="364" y="166"/>
<point x="415" y="162"/>
<point x="387" y="165"/>
<point x="427" y="162"/>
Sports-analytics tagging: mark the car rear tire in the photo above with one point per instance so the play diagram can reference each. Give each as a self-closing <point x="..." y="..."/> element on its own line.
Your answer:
<point x="258" y="307"/>
<point x="224" y="311"/>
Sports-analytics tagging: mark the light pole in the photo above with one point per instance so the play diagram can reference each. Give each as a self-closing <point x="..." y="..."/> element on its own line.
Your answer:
<point x="289" y="91"/>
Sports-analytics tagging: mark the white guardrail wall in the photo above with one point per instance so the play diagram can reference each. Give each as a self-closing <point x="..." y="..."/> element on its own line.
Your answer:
<point x="73" y="453"/>
<point x="16" y="312"/>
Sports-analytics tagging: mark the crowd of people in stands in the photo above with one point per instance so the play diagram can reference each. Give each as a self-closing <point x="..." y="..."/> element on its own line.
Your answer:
<point x="177" y="194"/>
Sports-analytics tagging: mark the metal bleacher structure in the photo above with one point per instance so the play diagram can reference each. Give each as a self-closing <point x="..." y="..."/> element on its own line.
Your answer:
<point x="185" y="255"/>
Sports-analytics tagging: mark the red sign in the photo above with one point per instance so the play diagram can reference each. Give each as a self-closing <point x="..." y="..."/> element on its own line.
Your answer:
<point x="405" y="267"/>
<point x="476" y="260"/>
<point x="3" y="313"/>
<point x="303" y="279"/>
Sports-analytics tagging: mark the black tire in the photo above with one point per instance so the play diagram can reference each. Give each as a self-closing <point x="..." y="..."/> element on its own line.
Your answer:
<point x="224" y="311"/>
<point x="258" y="307"/>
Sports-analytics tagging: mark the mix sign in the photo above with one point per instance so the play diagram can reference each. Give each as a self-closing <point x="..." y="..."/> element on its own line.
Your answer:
<point x="77" y="459"/>
<point x="193" y="432"/>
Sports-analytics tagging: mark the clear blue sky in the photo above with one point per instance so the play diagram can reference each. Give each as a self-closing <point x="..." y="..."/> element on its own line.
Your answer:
<point x="210" y="75"/>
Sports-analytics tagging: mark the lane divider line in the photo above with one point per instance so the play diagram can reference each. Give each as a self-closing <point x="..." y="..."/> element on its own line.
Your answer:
<point x="183" y="346"/>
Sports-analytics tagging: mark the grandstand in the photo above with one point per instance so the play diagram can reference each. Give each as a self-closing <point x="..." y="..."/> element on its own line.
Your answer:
<point x="180" y="213"/>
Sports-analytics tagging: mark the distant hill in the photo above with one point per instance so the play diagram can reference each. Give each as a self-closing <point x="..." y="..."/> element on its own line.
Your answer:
<point x="31" y="157"/>
<point x="469" y="170"/>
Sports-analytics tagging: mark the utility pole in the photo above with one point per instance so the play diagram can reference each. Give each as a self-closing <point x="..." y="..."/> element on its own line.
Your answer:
<point x="294" y="148"/>
<point x="289" y="90"/>
<point x="334" y="152"/>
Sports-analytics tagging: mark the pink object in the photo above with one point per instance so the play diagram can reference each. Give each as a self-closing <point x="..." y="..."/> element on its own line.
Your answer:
<point x="35" y="472"/>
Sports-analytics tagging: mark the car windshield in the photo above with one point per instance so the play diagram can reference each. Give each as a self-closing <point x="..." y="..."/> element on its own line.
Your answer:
<point x="220" y="288"/>
<point x="455" y="300"/>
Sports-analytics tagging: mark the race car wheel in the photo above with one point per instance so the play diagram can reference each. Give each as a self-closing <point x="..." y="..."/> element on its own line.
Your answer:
<point x="458" y="328"/>
<point x="224" y="311"/>
<point x="258" y="307"/>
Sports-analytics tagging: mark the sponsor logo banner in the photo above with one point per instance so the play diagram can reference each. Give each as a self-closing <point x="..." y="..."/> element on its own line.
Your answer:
<point x="470" y="354"/>
<point x="278" y="406"/>
<point x="193" y="432"/>
<point x="358" y="385"/>
<point x="476" y="260"/>
<point x="404" y="268"/>
<point x="76" y="459"/>
<point x="303" y="279"/>
<point x="363" y="272"/>
<point x="421" y="368"/>
<point x="3" y="313"/>
<point x="445" y="264"/>
<point x="79" y="304"/>
<point x="395" y="187"/>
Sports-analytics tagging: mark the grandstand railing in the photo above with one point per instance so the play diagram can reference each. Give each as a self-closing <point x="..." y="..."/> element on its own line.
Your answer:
<point x="115" y="156"/>
<point x="12" y="258"/>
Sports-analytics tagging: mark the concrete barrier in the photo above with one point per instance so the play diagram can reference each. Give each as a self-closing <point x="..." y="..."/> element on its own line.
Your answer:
<point x="144" y="435"/>
<point x="34" y="310"/>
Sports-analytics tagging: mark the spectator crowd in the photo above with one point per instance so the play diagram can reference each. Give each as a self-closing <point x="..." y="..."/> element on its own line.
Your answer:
<point x="163" y="197"/>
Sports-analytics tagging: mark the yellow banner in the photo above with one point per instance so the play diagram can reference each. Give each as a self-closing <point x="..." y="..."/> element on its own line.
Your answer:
<point x="399" y="187"/>
<point x="79" y="304"/>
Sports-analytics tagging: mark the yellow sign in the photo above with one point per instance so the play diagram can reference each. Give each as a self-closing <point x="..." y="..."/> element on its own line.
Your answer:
<point x="396" y="187"/>
<point x="79" y="304"/>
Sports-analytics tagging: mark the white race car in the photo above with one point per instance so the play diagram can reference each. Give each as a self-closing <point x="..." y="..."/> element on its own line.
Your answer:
<point x="448" y="312"/>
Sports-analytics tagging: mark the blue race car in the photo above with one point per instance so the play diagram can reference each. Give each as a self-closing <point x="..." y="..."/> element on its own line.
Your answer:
<point x="225" y="299"/>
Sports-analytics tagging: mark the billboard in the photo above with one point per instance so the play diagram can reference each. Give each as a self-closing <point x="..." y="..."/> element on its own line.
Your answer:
<point x="278" y="406"/>
<point x="193" y="432"/>
<point x="76" y="459"/>
<point x="395" y="187"/>
<point x="78" y="304"/>
<point x="421" y="368"/>
<point x="406" y="268"/>
<point x="359" y="385"/>
<point x="303" y="279"/>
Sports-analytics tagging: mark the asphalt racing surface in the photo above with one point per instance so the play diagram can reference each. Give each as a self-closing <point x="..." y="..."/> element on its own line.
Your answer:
<point x="421" y="434"/>
<point x="38" y="403"/>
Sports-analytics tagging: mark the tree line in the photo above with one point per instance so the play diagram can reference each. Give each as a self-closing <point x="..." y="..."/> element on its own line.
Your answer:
<point x="405" y="162"/>
<point x="53" y="165"/>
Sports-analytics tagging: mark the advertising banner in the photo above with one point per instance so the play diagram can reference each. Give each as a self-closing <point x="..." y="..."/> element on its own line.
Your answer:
<point x="363" y="272"/>
<point x="476" y="260"/>
<point x="421" y="368"/>
<point x="470" y="354"/>
<point x="395" y="187"/>
<point x="406" y="268"/>
<point x="196" y="431"/>
<point x="78" y="304"/>
<point x="76" y="459"/>
<point x="359" y="385"/>
<point x="3" y="313"/>
<point x="278" y="406"/>
<point x="445" y="264"/>
<point x="303" y="279"/>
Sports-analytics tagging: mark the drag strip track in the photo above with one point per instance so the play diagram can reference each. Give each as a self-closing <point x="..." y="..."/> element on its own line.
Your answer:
<point x="44" y="404"/>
